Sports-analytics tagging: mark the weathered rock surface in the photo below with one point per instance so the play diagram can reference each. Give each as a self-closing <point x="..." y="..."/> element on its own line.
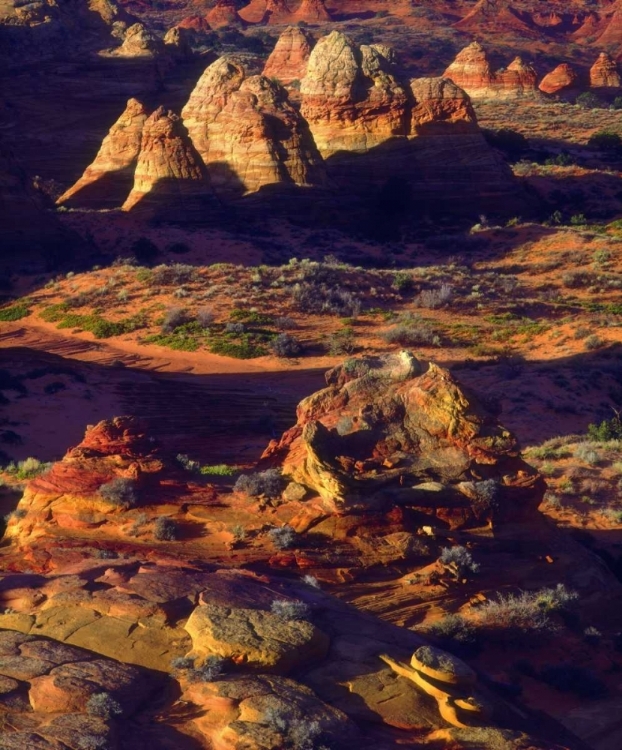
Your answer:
<point x="247" y="132"/>
<point x="224" y="13"/>
<point x="178" y="42"/>
<point x="255" y="638"/>
<point x="561" y="79"/>
<point x="312" y="11"/>
<point x="139" y="42"/>
<point x="350" y="96"/>
<point x="472" y="71"/>
<point x="107" y="182"/>
<point x="399" y="430"/>
<point x="494" y="15"/>
<point x="290" y="57"/>
<point x="604" y="73"/>
<point x="440" y="107"/>
<point x="267" y="12"/>
<point x="168" y="170"/>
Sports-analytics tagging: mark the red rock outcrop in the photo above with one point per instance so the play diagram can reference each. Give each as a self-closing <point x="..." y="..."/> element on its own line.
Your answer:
<point x="439" y="106"/>
<point x="224" y="13"/>
<point x="247" y="132"/>
<point x="196" y="23"/>
<point x="139" y="42"/>
<point x="494" y="15"/>
<point x="312" y="11"/>
<point x="178" y="42"/>
<point x="290" y="57"/>
<point x="604" y="73"/>
<point x="472" y="71"/>
<point x="267" y="12"/>
<point x="168" y="171"/>
<point x="563" y="78"/>
<point x="350" y="96"/>
<point x="107" y="181"/>
<point x="612" y="34"/>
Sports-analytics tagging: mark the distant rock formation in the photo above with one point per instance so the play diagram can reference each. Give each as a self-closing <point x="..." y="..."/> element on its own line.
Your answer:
<point x="350" y="96"/>
<point x="612" y="34"/>
<point x="107" y="181"/>
<point x="224" y="13"/>
<point x="247" y="132"/>
<point x="440" y="107"/>
<point x="168" y="170"/>
<point x="178" y="42"/>
<point x="563" y="78"/>
<point x="492" y="15"/>
<point x="604" y="73"/>
<point x="312" y="11"/>
<point x="195" y="23"/>
<point x="267" y="12"/>
<point x="289" y="60"/>
<point x="472" y="71"/>
<point x="139" y="42"/>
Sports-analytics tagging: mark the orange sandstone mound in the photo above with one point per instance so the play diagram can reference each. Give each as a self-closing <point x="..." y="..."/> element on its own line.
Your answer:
<point x="224" y="13"/>
<point x="312" y="11"/>
<point x="604" y="73"/>
<point x="107" y="181"/>
<point x="562" y="78"/>
<point x="290" y="57"/>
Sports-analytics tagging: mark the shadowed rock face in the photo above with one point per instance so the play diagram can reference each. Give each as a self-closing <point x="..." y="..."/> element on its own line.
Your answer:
<point x="168" y="168"/>
<point x="563" y="78"/>
<point x="439" y="106"/>
<point x="604" y="73"/>
<point x="394" y="429"/>
<point x="290" y="57"/>
<point x="472" y="71"/>
<point x="247" y="132"/>
<point x="108" y="180"/>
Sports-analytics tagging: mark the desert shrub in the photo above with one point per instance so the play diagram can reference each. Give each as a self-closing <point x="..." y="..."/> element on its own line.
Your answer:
<point x="14" y="312"/>
<point x="267" y="483"/>
<point x="119" y="492"/>
<point x="434" y="298"/>
<point x="205" y="318"/>
<point x="593" y="342"/>
<point x="311" y="581"/>
<point x="286" y="345"/>
<point x="592" y="635"/>
<point x="410" y="331"/>
<point x="285" y="323"/>
<point x="92" y="742"/>
<point x="290" y="609"/>
<point x="322" y="298"/>
<point x="588" y="100"/>
<point x="570" y="678"/>
<point x="176" y="273"/>
<point x="211" y="669"/>
<point x="187" y="463"/>
<point x="166" y="530"/>
<point x="236" y="328"/>
<point x="173" y="318"/>
<point x="486" y="494"/>
<point x="578" y="220"/>
<point x="434" y="660"/>
<point x="403" y="282"/>
<point x="103" y="705"/>
<point x="453" y="632"/>
<point x="298" y="734"/>
<point x="604" y="140"/>
<point x="608" y="429"/>
<point x="525" y="613"/>
<point x="217" y="470"/>
<point x="341" y="342"/>
<point x="584" y="452"/>
<point x="459" y="560"/>
<point x="283" y="537"/>
<point x="29" y="468"/>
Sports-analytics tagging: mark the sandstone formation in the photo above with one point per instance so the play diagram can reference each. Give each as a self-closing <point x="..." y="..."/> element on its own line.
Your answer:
<point x="108" y="180"/>
<point x="604" y="73"/>
<point x="267" y="12"/>
<point x="224" y="13"/>
<point x="350" y="97"/>
<point x="195" y="23"/>
<point x="168" y="169"/>
<point x="312" y="11"/>
<point x="290" y="57"/>
<point x="612" y="34"/>
<point x="494" y="15"/>
<point x="178" y="42"/>
<point x="247" y="132"/>
<point x="425" y="441"/>
<point x="471" y="70"/>
<point x="439" y="106"/>
<point x="561" y="79"/>
<point x="139" y="42"/>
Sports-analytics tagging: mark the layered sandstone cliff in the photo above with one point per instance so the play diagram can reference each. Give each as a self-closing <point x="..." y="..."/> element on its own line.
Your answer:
<point x="561" y="79"/>
<point x="139" y="42"/>
<point x="472" y="71"/>
<point x="168" y="170"/>
<point x="351" y="97"/>
<point x="107" y="181"/>
<point x="289" y="59"/>
<point x="247" y="133"/>
<point x="604" y="73"/>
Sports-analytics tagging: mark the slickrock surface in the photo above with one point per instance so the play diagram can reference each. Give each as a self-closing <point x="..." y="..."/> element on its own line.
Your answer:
<point x="604" y="73"/>
<point x="471" y="70"/>
<point x="561" y="79"/>
<point x="168" y="169"/>
<point x="107" y="182"/>
<point x="247" y="132"/>
<point x="290" y="57"/>
<point x="350" y="97"/>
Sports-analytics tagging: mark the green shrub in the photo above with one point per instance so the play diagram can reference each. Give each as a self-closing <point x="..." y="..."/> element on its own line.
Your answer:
<point x="218" y="470"/>
<point x="608" y="429"/>
<point x="14" y="312"/>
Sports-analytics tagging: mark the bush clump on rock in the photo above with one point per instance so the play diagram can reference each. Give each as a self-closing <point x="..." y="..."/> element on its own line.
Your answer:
<point x="103" y="705"/>
<point x="283" y="537"/>
<point x="166" y="530"/>
<point x="267" y="483"/>
<point x="286" y="345"/>
<point x="288" y="609"/>
<point x="119" y="492"/>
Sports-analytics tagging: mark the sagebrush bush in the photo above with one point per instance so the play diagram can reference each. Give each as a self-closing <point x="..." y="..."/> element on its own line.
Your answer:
<point x="298" y="733"/>
<point x="286" y="345"/>
<point x="453" y="632"/>
<point x="410" y="331"/>
<point x="211" y="669"/>
<point x="584" y="452"/>
<point x="120" y="492"/>
<point x="166" y="530"/>
<point x="288" y="609"/>
<point x="103" y="705"/>
<point x="283" y="537"/>
<point x="435" y="298"/>
<point x="176" y="273"/>
<point x="459" y="560"/>
<point x="267" y="483"/>
<point x="173" y="318"/>
<point x="205" y="318"/>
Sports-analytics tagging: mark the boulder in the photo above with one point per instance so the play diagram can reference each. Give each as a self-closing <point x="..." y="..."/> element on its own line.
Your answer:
<point x="139" y="42"/>
<point x="561" y="79"/>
